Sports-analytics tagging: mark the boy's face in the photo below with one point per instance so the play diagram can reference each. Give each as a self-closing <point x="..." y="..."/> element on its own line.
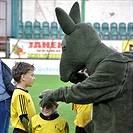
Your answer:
<point x="49" y="109"/>
<point x="29" y="78"/>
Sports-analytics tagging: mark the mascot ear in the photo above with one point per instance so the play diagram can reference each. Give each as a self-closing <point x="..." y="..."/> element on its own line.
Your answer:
<point x="65" y="21"/>
<point x="75" y="13"/>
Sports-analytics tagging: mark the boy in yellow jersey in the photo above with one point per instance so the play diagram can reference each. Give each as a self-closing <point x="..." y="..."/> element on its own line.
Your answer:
<point x="83" y="116"/>
<point x="22" y="107"/>
<point x="83" y="112"/>
<point x="48" y="120"/>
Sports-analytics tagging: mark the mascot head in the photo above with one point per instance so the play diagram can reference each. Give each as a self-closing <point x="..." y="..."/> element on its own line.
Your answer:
<point x="78" y="45"/>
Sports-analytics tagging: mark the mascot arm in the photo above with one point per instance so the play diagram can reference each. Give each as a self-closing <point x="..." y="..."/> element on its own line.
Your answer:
<point x="102" y="85"/>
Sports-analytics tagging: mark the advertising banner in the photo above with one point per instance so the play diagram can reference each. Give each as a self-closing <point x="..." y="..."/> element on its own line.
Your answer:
<point x="46" y="49"/>
<point x="47" y="67"/>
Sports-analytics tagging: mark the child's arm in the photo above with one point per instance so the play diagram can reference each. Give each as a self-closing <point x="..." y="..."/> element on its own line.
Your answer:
<point x="24" y="119"/>
<point x="66" y="128"/>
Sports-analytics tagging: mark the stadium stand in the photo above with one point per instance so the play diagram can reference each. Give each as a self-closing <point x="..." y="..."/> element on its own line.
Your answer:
<point x="47" y="30"/>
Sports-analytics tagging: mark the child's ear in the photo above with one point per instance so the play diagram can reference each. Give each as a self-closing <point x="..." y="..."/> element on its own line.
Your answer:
<point x="23" y="77"/>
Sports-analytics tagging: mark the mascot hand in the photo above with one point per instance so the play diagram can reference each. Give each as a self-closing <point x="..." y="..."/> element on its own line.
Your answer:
<point x="79" y="77"/>
<point x="46" y="97"/>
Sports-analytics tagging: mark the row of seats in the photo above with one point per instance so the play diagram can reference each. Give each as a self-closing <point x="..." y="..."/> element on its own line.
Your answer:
<point x="44" y="30"/>
<point x="114" y="31"/>
<point x="39" y="30"/>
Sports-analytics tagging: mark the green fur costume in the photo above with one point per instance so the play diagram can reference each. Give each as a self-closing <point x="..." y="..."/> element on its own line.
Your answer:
<point x="109" y="86"/>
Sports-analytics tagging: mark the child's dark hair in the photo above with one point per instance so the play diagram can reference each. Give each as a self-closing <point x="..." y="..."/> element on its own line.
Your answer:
<point x="21" y="68"/>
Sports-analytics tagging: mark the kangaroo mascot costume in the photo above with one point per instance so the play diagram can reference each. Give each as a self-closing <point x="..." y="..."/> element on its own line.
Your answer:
<point x="109" y="86"/>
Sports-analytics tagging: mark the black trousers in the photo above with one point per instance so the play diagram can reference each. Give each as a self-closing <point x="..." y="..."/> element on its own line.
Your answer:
<point x="17" y="130"/>
<point x="80" y="130"/>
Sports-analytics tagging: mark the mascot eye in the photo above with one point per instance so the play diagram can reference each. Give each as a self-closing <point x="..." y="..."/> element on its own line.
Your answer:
<point x="64" y="44"/>
<point x="63" y="48"/>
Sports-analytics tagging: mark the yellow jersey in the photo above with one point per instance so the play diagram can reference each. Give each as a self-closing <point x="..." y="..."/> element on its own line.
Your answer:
<point x="39" y="124"/>
<point x="21" y="104"/>
<point x="83" y="114"/>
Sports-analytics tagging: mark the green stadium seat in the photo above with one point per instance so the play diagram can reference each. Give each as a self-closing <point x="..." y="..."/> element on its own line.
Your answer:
<point x="97" y="26"/>
<point x="130" y="27"/>
<point x="37" y="25"/>
<point x="37" y="33"/>
<point x="113" y="26"/>
<point x="45" y="25"/>
<point x="105" y="27"/>
<point x="45" y="33"/>
<point x="130" y="34"/>
<point x="106" y="35"/>
<point x="122" y="27"/>
<point x="114" y="35"/>
<point x="54" y="25"/>
<point x="28" y="30"/>
<point x="28" y="25"/>
<point x="123" y="35"/>
<point x="54" y="33"/>
<point x="28" y="33"/>
<point x="20" y="33"/>
<point x="20" y="25"/>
